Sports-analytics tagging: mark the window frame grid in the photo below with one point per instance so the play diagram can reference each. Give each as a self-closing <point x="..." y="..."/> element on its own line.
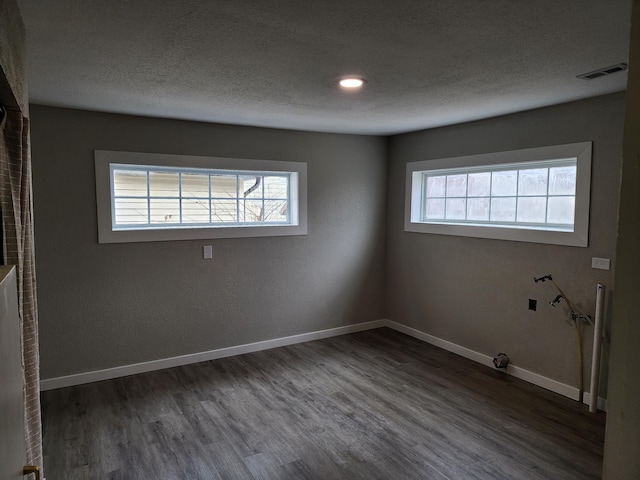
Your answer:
<point x="149" y="169"/>
<point x="516" y="231"/>
<point x="519" y="168"/>
<point x="296" y="191"/>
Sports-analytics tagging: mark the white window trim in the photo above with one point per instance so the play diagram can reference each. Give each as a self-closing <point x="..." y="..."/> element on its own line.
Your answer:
<point x="580" y="235"/>
<point x="103" y="160"/>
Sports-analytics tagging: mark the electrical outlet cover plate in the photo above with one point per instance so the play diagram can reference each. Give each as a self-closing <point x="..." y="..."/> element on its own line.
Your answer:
<point x="601" y="263"/>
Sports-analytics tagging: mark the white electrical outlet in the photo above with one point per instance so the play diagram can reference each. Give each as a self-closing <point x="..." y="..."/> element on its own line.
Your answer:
<point x="601" y="263"/>
<point x="207" y="252"/>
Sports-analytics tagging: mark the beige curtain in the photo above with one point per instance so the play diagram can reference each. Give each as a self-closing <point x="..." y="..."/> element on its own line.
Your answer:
<point x="18" y="249"/>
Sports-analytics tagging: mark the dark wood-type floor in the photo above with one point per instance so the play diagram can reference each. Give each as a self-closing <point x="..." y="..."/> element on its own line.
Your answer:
<point x="371" y="405"/>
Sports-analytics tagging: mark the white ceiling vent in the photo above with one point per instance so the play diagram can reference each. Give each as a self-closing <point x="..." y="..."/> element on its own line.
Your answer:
<point x="601" y="72"/>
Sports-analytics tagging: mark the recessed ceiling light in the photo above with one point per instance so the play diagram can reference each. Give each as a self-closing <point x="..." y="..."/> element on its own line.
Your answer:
<point x="351" y="82"/>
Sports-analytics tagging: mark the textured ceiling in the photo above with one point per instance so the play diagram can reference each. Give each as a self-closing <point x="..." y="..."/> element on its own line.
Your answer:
<point x="275" y="63"/>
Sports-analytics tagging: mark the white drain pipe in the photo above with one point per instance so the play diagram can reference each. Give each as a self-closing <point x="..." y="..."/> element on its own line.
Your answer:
<point x="597" y="344"/>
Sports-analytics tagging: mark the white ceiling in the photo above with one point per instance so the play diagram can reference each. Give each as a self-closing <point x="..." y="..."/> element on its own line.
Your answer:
<point x="274" y="63"/>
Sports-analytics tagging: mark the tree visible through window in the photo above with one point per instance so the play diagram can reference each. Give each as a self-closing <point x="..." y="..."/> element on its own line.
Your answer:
<point x="157" y="197"/>
<point x="147" y="197"/>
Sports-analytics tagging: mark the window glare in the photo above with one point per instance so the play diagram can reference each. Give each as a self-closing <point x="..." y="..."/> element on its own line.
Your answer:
<point x="539" y="195"/>
<point x="504" y="184"/>
<point x="435" y="208"/>
<point x="456" y="185"/>
<point x="562" y="180"/>
<point x="529" y="196"/>
<point x="503" y="209"/>
<point x="479" y="184"/>
<point x="533" y="181"/>
<point x="532" y="209"/>
<point x="436" y="186"/>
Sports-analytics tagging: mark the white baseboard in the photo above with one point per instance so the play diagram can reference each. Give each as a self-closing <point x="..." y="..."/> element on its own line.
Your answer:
<point x="123" y="371"/>
<point x="518" y="372"/>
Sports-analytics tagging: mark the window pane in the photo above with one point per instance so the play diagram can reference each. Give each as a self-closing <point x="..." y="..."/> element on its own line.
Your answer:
<point x="276" y="211"/>
<point x="223" y="186"/>
<point x="562" y="181"/>
<point x="435" y="208"/>
<point x="561" y="210"/>
<point x="479" y="184"/>
<point x="251" y="211"/>
<point x="224" y="211"/>
<point x="163" y="184"/>
<point x="456" y="208"/>
<point x="195" y="210"/>
<point x="532" y="209"/>
<point x="503" y="209"/>
<point x="165" y="210"/>
<point x="250" y="186"/>
<point x="436" y="188"/>
<point x="195" y="185"/>
<point x="477" y="208"/>
<point x="275" y="187"/>
<point x="129" y="211"/>
<point x="509" y="195"/>
<point x="128" y="183"/>
<point x="456" y="185"/>
<point x="533" y="181"/>
<point x="147" y="197"/>
<point x="504" y="184"/>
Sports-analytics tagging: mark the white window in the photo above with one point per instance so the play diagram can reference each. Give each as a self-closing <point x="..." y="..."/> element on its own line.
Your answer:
<point x="149" y="197"/>
<point x="534" y="195"/>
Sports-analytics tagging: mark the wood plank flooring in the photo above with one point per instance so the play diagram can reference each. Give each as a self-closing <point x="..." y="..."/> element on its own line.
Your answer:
<point x="371" y="405"/>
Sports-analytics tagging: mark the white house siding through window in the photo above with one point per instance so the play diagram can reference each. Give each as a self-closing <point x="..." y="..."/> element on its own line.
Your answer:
<point x="155" y="198"/>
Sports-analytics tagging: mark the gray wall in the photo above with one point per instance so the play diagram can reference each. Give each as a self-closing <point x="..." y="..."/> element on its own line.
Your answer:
<point x="109" y="305"/>
<point x="474" y="292"/>
<point x="103" y="306"/>
<point x="622" y="439"/>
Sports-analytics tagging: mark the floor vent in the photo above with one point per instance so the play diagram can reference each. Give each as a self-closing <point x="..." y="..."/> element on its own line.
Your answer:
<point x="601" y="72"/>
